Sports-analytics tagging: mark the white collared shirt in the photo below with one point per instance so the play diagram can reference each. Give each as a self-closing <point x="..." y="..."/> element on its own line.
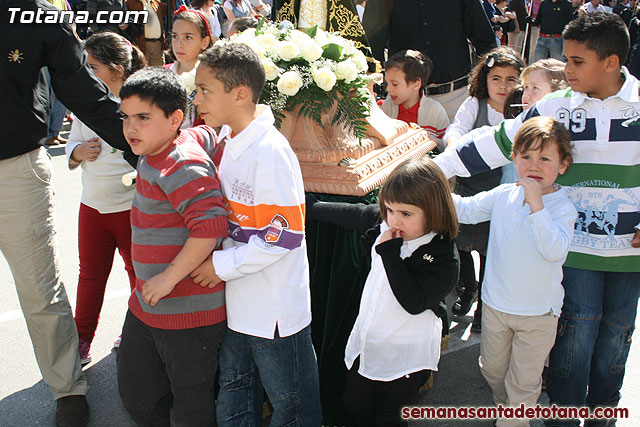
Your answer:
<point x="526" y="250"/>
<point x="391" y="342"/>
<point x="264" y="259"/>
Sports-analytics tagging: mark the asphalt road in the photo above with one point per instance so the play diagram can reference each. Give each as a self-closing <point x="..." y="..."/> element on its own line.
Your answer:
<point x="25" y="400"/>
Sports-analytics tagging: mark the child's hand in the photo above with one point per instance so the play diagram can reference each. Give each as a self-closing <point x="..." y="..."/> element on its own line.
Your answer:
<point x="88" y="150"/>
<point x="205" y="274"/>
<point x="532" y="193"/>
<point x="391" y="233"/>
<point x="635" y="242"/>
<point x="156" y="288"/>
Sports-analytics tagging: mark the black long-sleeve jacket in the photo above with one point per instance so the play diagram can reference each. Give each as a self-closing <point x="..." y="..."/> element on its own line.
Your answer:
<point x="439" y="29"/>
<point x="24" y="94"/>
<point x="420" y="281"/>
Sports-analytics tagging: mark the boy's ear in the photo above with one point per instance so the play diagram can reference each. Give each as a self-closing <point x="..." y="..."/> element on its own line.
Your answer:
<point x="175" y="119"/>
<point x="243" y="95"/>
<point x="564" y="165"/>
<point x="416" y="85"/>
<point x="612" y="63"/>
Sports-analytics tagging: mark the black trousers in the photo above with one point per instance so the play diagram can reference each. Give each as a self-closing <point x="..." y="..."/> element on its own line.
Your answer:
<point x="378" y="403"/>
<point x="167" y="377"/>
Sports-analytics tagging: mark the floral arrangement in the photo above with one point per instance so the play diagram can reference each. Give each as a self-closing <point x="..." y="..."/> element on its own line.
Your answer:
<point x="189" y="80"/>
<point x="312" y="69"/>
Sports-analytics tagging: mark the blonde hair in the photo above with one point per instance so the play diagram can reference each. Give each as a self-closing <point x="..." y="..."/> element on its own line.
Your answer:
<point x="420" y="182"/>
<point x="553" y="71"/>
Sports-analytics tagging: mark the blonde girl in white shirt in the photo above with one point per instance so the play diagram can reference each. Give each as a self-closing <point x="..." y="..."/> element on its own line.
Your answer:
<point x="395" y="342"/>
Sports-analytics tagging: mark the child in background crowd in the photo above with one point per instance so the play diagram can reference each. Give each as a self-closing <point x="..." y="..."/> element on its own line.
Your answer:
<point x="395" y="342"/>
<point x="264" y="261"/>
<point x="407" y="73"/>
<point x="240" y="24"/>
<point x="190" y="36"/>
<point x="538" y="79"/>
<point x="541" y="78"/>
<point x="105" y="208"/>
<point x="210" y="11"/>
<point x="491" y="81"/>
<point x="531" y="229"/>
<point x="168" y="359"/>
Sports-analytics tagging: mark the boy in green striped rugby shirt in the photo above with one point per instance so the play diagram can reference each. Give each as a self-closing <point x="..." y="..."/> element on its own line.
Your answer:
<point x="602" y="272"/>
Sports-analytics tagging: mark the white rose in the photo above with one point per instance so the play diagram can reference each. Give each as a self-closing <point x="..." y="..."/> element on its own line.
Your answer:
<point x="270" y="69"/>
<point x="267" y="41"/>
<point x="361" y="61"/>
<point x="247" y="35"/>
<point x="289" y="83"/>
<point x="311" y="51"/>
<point x="321" y="37"/>
<point x="288" y="50"/>
<point x="299" y="38"/>
<point x="336" y="39"/>
<point x="347" y="71"/>
<point x="324" y="78"/>
<point x="189" y="81"/>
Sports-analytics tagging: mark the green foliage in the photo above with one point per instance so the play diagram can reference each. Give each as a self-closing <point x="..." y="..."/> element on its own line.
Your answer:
<point x="311" y="32"/>
<point x="332" y="51"/>
<point x="352" y="101"/>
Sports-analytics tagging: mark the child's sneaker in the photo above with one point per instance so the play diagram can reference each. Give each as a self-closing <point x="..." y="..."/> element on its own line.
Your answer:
<point x="84" y="348"/>
<point x="116" y="343"/>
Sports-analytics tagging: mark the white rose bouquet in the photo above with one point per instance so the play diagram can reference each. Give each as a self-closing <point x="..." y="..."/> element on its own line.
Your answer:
<point x="312" y="69"/>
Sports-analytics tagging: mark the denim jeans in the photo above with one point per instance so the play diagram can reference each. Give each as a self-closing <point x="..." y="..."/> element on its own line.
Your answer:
<point x="548" y="47"/>
<point x="587" y="362"/>
<point x="56" y="113"/>
<point x="285" y="367"/>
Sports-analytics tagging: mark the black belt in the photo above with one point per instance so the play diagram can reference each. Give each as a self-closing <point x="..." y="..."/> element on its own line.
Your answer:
<point x="448" y="87"/>
<point x="153" y="40"/>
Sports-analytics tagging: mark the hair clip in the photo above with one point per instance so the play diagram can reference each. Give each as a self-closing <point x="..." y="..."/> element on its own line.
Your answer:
<point x="491" y="60"/>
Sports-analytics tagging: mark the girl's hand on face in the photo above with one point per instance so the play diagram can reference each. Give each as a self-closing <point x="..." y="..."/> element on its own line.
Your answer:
<point x="88" y="151"/>
<point x="389" y="234"/>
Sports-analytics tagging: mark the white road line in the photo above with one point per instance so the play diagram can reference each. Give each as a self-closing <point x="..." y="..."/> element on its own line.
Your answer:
<point x="17" y="314"/>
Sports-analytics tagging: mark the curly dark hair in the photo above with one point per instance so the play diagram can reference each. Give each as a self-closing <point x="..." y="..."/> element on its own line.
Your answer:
<point x="499" y="57"/>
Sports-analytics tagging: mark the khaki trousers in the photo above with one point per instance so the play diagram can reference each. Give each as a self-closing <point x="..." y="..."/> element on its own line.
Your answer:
<point x="512" y="354"/>
<point x="153" y="53"/>
<point x="451" y="101"/>
<point x="28" y="242"/>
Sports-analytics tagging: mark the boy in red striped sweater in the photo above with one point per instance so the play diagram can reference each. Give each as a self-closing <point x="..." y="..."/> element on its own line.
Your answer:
<point x="168" y="358"/>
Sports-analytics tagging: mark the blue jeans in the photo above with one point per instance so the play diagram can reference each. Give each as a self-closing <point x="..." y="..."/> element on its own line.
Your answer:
<point x="548" y="47"/>
<point x="587" y="362"/>
<point x="56" y="113"/>
<point x="285" y="367"/>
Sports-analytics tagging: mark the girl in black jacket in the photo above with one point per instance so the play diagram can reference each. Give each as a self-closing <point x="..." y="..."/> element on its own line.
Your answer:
<point x="395" y="342"/>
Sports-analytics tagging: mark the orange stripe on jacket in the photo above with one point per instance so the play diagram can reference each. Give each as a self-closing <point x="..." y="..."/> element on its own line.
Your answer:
<point x="260" y="216"/>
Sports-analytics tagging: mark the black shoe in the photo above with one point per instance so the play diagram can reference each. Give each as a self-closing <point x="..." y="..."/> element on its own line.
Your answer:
<point x="463" y="304"/>
<point x="73" y="411"/>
